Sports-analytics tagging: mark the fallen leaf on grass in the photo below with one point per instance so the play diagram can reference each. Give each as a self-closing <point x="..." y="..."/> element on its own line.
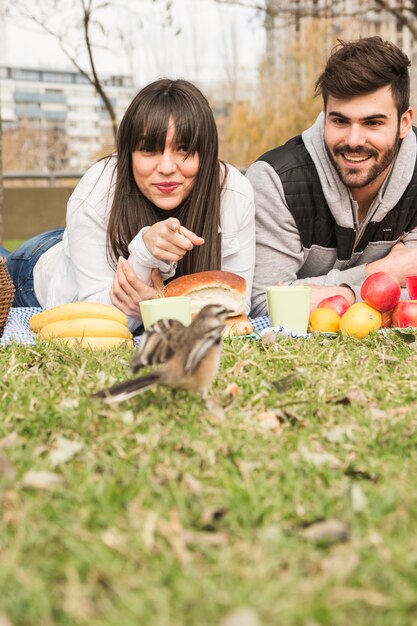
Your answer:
<point x="327" y="532"/>
<point x="47" y="481"/>
<point x="232" y="389"/>
<point x="241" y="617"/>
<point x="69" y="403"/>
<point x="7" y="470"/>
<point x="211" y="515"/>
<point x="341" y="595"/>
<point x="340" y="563"/>
<point x="192" y="484"/>
<point x="9" y="441"/>
<point x="338" y="434"/>
<point x="115" y="540"/>
<point x="357" y="498"/>
<point x="64" y="450"/>
<point x="360" y="472"/>
<point x="269" y="421"/>
<point x="214" y="410"/>
<point x="319" y="458"/>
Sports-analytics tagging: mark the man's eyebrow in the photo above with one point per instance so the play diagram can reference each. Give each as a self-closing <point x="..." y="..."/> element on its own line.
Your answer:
<point x="374" y="116"/>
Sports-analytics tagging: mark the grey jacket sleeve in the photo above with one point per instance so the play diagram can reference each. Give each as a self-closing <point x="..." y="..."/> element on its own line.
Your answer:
<point x="279" y="252"/>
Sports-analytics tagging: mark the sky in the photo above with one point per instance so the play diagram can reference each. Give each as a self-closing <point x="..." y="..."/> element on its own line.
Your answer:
<point x="214" y="43"/>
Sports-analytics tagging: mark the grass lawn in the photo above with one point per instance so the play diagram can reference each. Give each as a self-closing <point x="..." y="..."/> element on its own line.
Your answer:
<point x="162" y="512"/>
<point x="12" y="244"/>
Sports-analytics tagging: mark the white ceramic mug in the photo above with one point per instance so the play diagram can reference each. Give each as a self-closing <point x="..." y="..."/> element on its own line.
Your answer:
<point x="174" y="308"/>
<point x="289" y="306"/>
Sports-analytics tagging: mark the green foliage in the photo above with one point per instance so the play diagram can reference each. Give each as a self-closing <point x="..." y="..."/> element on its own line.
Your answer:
<point x="165" y="511"/>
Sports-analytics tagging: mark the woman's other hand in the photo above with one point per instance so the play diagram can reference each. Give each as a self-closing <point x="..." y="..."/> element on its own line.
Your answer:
<point x="169" y="241"/>
<point x="128" y="290"/>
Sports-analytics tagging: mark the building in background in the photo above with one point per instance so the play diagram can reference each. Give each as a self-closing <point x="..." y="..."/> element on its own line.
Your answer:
<point x="54" y="120"/>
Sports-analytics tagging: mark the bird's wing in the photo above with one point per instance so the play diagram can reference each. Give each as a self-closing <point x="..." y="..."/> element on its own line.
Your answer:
<point x="157" y="344"/>
<point x="201" y="346"/>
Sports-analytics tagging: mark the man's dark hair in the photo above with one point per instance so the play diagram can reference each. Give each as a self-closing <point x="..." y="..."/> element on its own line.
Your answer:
<point x="358" y="67"/>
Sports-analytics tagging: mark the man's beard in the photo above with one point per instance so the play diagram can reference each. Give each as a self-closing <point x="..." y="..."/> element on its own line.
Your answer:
<point x="346" y="174"/>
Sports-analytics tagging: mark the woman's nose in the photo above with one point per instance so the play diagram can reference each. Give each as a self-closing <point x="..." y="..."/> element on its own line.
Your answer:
<point x="167" y="163"/>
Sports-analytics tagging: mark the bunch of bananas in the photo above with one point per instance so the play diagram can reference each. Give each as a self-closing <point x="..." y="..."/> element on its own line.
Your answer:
<point x="86" y="324"/>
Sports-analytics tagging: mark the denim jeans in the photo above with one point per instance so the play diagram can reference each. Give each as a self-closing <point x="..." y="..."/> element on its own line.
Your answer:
<point x="21" y="262"/>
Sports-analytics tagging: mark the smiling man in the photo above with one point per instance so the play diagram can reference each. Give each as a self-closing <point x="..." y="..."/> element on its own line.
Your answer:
<point x="339" y="202"/>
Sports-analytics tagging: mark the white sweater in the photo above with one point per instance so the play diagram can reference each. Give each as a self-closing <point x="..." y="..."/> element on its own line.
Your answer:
<point x="77" y="269"/>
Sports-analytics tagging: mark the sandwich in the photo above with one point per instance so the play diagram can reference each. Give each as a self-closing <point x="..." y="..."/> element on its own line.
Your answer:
<point x="219" y="287"/>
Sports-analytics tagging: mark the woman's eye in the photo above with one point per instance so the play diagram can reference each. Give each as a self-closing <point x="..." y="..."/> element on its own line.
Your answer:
<point x="183" y="149"/>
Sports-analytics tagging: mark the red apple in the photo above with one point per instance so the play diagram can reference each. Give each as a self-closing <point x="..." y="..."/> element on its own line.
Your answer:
<point x="337" y="303"/>
<point x="405" y="314"/>
<point x="381" y="291"/>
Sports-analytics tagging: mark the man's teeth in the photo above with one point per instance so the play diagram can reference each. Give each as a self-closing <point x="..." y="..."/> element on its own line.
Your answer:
<point x="355" y="159"/>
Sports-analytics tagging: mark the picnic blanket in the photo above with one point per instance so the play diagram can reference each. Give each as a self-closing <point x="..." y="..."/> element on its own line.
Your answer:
<point x="17" y="326"/>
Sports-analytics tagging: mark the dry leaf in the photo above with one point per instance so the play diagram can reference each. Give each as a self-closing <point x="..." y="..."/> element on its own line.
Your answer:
<point x="358" y="499"/>
<point x="64" y="451"/>
<point x="232" y="389"/>
<point x="269" y="421"/>
<point x="338" y="434"/>
<point x="319" y="458"/>
<point x="7" y="442"/>
<point x="214" y="410"/>
<point x="42" y="480"/>
<point x="327" y="532"/>
<point x="268" y="337"/>
<point x="241" y="617"/>
<point x="193" y="484"/>
<point x="340" y="563"/>
<point x="212" y="514"/>
<point x="114" y="539"/>
<point x="7" y="470"/>
<point x="69" y="403"/>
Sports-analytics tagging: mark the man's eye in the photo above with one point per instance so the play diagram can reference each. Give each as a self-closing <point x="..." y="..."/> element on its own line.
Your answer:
<point x="338" y="121"/>
<point x="373" y="123"/>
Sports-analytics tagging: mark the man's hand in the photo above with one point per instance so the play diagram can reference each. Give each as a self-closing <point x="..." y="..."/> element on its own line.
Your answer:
<point x="128" y="290"/>
<point x="400" y="262"/>
<point x="319" y="292"/>
<point x="169" y="241"/>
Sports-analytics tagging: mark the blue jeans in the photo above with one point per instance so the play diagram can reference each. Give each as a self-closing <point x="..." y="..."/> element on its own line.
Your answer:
<point x="21" y="262"/>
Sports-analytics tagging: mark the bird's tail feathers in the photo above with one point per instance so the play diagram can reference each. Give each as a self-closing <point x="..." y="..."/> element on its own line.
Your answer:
<point x="127" y="389"/>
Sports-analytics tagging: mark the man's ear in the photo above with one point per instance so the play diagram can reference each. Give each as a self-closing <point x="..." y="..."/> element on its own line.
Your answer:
<point x="406" y="122"/>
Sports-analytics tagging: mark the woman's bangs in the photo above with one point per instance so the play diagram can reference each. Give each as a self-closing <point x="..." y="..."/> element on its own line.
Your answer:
<point x="187" y="132"/>
<point x="151" y="130"/>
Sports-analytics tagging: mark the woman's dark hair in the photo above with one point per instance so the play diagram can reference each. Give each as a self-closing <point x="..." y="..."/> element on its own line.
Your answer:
<point x="144" y="125"/>
<point x="362" y="66"/>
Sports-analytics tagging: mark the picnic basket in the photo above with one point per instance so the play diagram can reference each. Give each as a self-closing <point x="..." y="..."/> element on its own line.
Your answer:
<point x="6" y="293"/>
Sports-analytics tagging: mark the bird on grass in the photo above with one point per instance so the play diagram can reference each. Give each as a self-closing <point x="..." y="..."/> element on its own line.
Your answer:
<point x="189" y="355"/>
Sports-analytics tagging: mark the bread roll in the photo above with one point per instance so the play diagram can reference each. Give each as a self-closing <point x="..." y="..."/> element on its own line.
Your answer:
<point x="212" y="287"/>
<point x="238" y="325"/>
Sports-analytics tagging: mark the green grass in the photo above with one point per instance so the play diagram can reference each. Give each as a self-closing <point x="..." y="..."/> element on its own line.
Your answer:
<point x="170" y="515"/>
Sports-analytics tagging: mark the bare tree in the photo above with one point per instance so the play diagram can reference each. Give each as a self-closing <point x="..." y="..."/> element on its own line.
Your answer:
<point x="281" y="14"/>
<point x="82" y="31"/>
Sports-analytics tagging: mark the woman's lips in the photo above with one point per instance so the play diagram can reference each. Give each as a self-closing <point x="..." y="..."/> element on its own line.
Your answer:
<point x="167" y="187"/>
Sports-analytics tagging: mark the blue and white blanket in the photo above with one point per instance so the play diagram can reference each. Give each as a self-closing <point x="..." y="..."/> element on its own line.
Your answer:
<point x="17" y="326"/>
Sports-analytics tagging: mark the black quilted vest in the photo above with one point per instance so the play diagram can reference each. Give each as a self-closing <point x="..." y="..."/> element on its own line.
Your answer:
<point x="312" y="215"/>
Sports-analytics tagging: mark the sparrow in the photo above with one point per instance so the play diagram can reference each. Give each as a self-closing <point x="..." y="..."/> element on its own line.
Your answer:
<point x="189" y="355"/>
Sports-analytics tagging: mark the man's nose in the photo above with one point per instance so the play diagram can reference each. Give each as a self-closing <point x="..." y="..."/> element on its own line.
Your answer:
<point x="356" y="136"/>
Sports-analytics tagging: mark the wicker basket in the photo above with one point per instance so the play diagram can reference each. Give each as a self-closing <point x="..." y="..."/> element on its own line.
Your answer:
<point x="6" y="293"/>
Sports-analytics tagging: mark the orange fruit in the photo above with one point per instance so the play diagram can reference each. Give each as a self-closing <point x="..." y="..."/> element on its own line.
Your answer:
<point x="359" y="320"/>
<point x="324" y="319"/>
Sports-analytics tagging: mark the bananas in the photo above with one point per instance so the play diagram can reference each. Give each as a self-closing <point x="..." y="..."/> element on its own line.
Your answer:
<point x="84" y="324"/>
<point x="76" y="310"/>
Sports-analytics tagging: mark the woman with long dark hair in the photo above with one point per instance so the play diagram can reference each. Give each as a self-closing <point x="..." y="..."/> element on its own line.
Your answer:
<point x="163" y="205"/>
